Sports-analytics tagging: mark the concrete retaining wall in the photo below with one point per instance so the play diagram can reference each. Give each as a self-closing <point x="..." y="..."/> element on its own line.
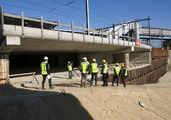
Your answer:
<point x="139" y="56"/>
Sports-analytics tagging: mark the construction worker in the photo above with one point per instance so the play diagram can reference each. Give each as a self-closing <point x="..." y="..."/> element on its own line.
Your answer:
<point x="117" y="71"/>
<point x="104" y="73"/>
<point x="88" y="72"/>
<point x="84" y="69"/>
<point x="123" y="74"/>
<point x="69" y="65"/>
<point x="45" y="70"/>
<point x="94" y="71"/>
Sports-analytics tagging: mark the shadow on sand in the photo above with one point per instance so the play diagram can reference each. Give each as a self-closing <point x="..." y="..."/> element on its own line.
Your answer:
<point x="22" y="104"/>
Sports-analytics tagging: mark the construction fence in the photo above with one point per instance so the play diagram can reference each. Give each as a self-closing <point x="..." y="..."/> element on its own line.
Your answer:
<point x="149" y="73"/>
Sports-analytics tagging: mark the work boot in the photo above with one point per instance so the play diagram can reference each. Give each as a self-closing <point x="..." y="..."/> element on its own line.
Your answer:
<point x="50" y="86"/>
<point x="91" y="83"/>
<point x="43" y="87"/>
<point x="95" y="84"/>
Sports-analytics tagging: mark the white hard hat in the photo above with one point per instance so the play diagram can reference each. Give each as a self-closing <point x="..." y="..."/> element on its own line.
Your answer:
<point x="85" y="58"/>
<point x="45" y="58"/>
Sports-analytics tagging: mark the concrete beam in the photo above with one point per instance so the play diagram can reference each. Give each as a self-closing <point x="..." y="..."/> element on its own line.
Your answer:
<point x="127" y="50"/>
<point x="9" y="43"/>
<point x="13" y="40"/>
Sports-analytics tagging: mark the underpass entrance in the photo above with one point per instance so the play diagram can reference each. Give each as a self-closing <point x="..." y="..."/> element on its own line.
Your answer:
<point x="22" y="63"/>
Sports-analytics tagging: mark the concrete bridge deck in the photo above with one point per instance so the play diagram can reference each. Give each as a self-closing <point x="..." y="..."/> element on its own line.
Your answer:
<point x="20" y="38"/>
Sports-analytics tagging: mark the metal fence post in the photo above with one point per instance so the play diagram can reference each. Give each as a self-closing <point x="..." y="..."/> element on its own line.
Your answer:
<point x="83" y="33"/>
<point x="118" y="37"/>
<point x="72" y="30"/>
<point x="22" y="24"/>
<point x="102" y="35"/>
<point x="41" y="26"/>
<point x="58" y="30"/>
<point x="2" y="20"/>
<point x="93" y="34"/>
<point x="109" y="34"/>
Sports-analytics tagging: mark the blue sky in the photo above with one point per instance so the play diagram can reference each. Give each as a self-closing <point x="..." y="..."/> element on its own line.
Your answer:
<point x="103" y="13"/>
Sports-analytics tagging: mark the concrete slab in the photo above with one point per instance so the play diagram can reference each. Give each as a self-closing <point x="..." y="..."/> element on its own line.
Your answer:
<point x="32" y="41"/>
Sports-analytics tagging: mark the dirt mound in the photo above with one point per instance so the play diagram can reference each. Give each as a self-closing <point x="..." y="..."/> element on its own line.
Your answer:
<point x="109" y="103"/>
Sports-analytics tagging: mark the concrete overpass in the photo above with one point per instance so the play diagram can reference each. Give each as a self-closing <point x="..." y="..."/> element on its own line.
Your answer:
<point x="28" y="39"/>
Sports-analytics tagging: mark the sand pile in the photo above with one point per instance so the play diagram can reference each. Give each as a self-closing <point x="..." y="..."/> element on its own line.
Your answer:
<point x="68" y="101"/>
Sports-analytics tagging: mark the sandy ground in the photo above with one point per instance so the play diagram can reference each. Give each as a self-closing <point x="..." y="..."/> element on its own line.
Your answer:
<point x="67" y="101"/>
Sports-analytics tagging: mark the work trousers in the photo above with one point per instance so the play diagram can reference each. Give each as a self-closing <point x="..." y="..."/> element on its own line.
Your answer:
<point x="83" y="76"/>
<point x="105" y="83"/>
<point x="44" y="79"/>
<point x="115" y="77"/>
<point x="92" y="76"/>
<point x="70" y="74"/>
<point x="123" y="80"/>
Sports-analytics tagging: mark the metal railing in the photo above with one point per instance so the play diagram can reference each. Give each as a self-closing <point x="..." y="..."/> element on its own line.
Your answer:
<point x="93" y="32"/>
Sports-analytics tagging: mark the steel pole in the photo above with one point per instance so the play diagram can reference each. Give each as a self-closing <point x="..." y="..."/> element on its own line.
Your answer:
<point x="2" y="20"/>
<point x="149" y="30"/>
<point x="87" y="15"/>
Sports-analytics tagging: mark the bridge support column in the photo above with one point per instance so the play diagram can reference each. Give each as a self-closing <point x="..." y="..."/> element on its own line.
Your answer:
<point x="150" y="57"/>
<point x="4" y="68"/>
<point x="126" y="60"/>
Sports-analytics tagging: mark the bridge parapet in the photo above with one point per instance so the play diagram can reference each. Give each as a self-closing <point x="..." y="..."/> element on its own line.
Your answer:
<point x="32" y="28"/>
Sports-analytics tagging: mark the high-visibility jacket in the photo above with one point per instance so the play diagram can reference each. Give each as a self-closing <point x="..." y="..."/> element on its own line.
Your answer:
<point x="87" y="66"/>
<point x="44" y="68"/>
<point x="94" y="68"/>
<point x="123" y="71"/>
<point x="117" y="69"/>
<point x="105" y="70"/>
<point x="84" y="67"/>
<point x="69" y="67"/>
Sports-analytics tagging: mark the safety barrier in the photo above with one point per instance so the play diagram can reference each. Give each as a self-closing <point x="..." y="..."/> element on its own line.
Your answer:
<point x="17" y="80"/>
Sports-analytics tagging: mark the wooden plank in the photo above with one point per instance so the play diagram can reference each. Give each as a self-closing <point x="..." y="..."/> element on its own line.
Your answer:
<point x="21" y="74"/>
<point x="21" y="79"/>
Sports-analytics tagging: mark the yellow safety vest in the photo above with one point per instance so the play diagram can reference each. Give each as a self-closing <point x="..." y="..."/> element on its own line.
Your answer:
<point x="117" y="69"/>
<point x="125" y="72"/>
<point x="69" y="67"/>
<point x="87" y="65"/>
<point x="84" y="66"/>
<point x="105" y="70"/>
<point x="94" y="68"/>
<point x="43" y="68"/>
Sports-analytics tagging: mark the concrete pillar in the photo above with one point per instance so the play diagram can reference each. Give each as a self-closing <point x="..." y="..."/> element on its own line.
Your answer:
<point x="4" y="68"/>
<point x="150" y="57"/>
<point x="136" y="31"/>
<point x="126" y="60"/>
